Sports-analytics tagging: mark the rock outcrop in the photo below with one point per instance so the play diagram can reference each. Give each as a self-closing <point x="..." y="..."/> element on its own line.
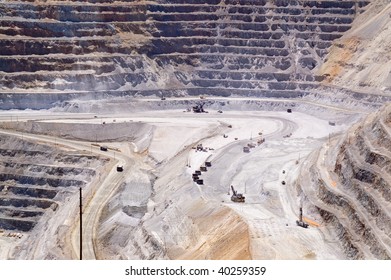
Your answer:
<point x="166" y="47"/>
<point x="350" y="186"/>
<point x="360" y="60"/>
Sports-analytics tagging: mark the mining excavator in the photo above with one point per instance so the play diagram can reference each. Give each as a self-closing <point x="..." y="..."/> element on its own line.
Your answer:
<point x="300" y="222"/>
<point x="237" y="197"/>
<point x="199" y="108"/>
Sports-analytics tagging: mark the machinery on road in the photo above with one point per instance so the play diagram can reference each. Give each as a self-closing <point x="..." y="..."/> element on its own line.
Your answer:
<point x="236" y="197"/>
<point x="300" y="222"/>
<point x="199" y="108"/>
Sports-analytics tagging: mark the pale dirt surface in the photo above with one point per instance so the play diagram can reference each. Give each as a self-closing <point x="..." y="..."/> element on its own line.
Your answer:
<point x="154" y="209"/>
<point x="175" y="218"/>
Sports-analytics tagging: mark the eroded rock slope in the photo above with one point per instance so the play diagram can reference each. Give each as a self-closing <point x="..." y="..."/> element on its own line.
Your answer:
<point x="165" y="47"/>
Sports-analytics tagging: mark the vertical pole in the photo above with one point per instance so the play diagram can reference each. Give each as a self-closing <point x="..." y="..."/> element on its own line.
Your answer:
<point x="81" y="225"/>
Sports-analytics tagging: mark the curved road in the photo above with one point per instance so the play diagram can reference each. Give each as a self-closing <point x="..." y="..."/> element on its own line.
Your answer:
<point x="96" y="201"/>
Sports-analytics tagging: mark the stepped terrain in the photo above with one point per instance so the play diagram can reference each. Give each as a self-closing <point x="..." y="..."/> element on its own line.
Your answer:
<point x="93" y="49"/>
<point x="156" y="108"/>
<point x="348" y="185"/>
<point x="29" y="189"/>
<point x="360" y="60"/>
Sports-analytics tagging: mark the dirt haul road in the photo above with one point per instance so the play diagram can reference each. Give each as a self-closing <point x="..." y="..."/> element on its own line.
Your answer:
<point x="93" y="202"/>
<point x="269" y="206"/>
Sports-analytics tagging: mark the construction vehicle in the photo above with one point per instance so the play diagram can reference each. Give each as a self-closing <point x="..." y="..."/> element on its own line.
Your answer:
<point x="300" y="222"/>
<point x="251" y="145"/>
<point x="236" y="197"/>
<point x="199" y="108"/>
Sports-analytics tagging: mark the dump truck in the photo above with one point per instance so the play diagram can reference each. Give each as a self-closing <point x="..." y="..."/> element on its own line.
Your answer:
<point x="236" y="197"/>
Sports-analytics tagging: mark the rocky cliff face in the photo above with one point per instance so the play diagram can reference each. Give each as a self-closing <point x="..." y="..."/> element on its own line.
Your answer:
<point x="350" y="187"/>
<point x="171" y="47"/>
<point x="360" y="60"/>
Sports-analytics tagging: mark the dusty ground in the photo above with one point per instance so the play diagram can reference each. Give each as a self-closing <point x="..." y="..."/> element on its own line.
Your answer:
<point x="155" y="210"/>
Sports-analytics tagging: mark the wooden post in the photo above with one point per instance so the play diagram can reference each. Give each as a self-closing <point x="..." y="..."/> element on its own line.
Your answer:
<point x="81" y="225"/>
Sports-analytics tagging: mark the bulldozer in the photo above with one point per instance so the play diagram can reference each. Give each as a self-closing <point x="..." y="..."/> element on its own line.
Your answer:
<point x="237" y="197"/>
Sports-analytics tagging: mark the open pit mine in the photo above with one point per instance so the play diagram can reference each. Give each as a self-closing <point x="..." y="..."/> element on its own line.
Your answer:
<point x="195" y="129"/>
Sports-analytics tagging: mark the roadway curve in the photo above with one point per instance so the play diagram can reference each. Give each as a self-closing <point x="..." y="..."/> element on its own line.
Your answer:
<point x="94" y="203"/>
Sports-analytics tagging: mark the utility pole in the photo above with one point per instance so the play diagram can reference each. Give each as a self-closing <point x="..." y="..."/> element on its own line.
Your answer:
<point x="81" y="225"/>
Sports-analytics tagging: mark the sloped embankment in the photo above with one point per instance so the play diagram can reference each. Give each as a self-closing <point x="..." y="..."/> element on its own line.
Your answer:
<point x="351" y="189"/>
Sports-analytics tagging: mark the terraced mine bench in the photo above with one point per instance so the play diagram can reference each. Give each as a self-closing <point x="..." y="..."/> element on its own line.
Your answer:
<point x="28" y="189"/>
<point x="245" y="47"/>
<point x="358" y="204"/>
